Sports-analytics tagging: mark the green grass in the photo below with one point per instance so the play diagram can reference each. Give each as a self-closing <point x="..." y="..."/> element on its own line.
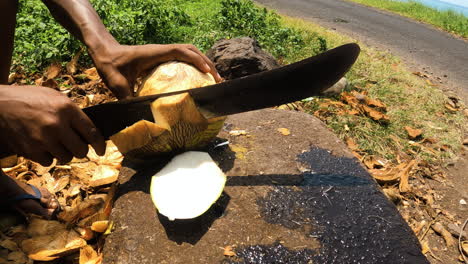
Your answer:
<point x="448" y="20"/>
<point x="410" y="100"/>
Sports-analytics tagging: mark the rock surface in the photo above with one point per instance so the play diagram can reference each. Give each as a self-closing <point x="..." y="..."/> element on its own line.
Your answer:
<point x="238" y="57"/>
<point x="297" y="197"/>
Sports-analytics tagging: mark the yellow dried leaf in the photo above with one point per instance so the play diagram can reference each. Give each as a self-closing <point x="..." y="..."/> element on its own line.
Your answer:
<point x="413" y="133"/>
<point x="373" y="162"/>
<point x="89" y="256"/>
<point x="100" y="226"/>
<point x="284" y="131"/>
<point x="465" y="247"/>
<point x="237" y="132"/>
<point x="92" y="74"/>
<point x="228" y="252"/>
<point x="71" y="66"/>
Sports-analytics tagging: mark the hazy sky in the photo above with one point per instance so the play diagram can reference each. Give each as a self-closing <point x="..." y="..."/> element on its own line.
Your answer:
<point x="457" y="2"/>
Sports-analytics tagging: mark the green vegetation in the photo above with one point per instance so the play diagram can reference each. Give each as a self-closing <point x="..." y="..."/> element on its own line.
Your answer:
<point x="449" y="20"/>
<point x="40" y="40"/>
<point x="410" y="100"/>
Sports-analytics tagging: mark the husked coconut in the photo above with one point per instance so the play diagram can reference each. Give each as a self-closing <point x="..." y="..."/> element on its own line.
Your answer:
<point x="179" y="125"/>
<point x="187" y="186"/>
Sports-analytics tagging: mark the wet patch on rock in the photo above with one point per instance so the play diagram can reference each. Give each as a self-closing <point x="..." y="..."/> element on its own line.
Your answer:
<point x="351" y="218"/>
<point x="277" y="253"/>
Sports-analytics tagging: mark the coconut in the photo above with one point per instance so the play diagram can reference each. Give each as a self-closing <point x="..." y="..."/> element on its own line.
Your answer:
<point x="179" y="126"/>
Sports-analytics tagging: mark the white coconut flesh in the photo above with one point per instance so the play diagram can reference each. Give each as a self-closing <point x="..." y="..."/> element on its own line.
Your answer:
<point x="187" y="186"/>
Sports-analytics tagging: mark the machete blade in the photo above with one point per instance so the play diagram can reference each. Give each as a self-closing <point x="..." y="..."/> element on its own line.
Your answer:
<point x="286" y="84"/>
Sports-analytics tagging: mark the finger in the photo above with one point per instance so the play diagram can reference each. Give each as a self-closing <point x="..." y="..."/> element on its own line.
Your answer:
<point x="119" y="85"/>
<point x="59" y="152"/>
<point x="208" y="62"/>
<point x="88" y="132"/>
<point x="73" y="143"/>
<point x="42" y="157"/>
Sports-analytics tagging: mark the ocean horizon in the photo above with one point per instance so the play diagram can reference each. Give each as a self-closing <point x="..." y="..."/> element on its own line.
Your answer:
<point x="459" y="6"/>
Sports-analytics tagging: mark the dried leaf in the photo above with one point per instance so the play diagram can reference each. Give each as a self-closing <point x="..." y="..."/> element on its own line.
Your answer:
<point x="465" y="247"/>
<point x="9" y="244"/>
<point x="451" y="108"/>
<point x="71" y="66"/>
<point x="440" y="229"/>
<point x="51" y="83"/>
<point x="92" y="74"/>
<point x="42" y="227"/>
<point x="89" y="256"/>
<point x="61" y="183"/>
<point x="375" y="114"/>
<point x="100" y="226"/>
<point x="376" y="103"/>
<point x="53" y="246"/>
<point x="17" y="257"/>
<point x="412" y="132"/>
<point x="12" y="77"/>
<point x="352" y="145"/>
<point x="284" y="131"/>
<point x="228" y="252"/>
<point x="104" y="174"/>
<point x="404" y="177"/>
<point x="237" y="132"/>
<point x="373" y="162"/>
<point x="81" y="210"/>
<point x="393" y="194"/>
<point x="85" y="232"/>
<point x="53" y="71"/>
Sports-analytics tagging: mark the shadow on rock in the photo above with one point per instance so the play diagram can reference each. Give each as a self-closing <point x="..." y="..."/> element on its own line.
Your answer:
<point x="192" y="230"/>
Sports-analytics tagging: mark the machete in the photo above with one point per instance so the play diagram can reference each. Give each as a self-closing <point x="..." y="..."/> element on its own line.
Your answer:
<point x="286" y="84"/>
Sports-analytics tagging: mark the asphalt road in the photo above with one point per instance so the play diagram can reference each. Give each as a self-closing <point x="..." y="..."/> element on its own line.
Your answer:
<point x="422" y="47"/>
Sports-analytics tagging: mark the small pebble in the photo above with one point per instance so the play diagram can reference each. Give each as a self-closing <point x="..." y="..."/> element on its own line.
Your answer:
<point x="462" y="202"/>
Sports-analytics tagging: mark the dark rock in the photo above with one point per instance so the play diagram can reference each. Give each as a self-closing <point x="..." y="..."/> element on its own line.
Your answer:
<point x="240" y="57"/>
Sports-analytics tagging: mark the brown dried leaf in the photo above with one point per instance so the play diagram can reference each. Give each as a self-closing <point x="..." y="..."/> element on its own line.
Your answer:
<point x="451" y="108"/>
<point x="42" y="227"/>
<point x="352" y="145"/>
<point x="89" y="256"/>
<point x="71" y="66"/>
<point x="393" y="194"/>
<point x="413" y="133"/>
<point x="375" y="114"/>
<point x="17" y="257"/>
<point x="51" y="83"/>
<point x="85" y="232"/>
<point x="9" y="244"/>
<point x="465" y="247"/>
<point x="104" y="174"/>
<point x="284" y="131"/>
<point x="404" y="177"/>
<point x="373" y="162"/>
<point x="81" y="210"/>
<point x="228" y="252"/>
<point x="53" y="246"/>
<point x="376" y="103"/>
<point x="353" y="112"/>
<point x="53" y="71"/>
<point x="440" y="229"/>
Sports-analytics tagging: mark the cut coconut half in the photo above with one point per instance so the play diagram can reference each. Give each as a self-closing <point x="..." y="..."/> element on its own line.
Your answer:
<point x="187" y="186"/>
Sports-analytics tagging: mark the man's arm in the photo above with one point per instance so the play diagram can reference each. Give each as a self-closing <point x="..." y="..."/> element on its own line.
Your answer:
<point x="120" y="65"/>
<point x="7" y="34"/>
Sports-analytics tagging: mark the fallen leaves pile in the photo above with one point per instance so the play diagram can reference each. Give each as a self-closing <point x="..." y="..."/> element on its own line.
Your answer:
<point x="85" y="191"/>
<point x="85" y="188"/>
<point x="406" y="179"/>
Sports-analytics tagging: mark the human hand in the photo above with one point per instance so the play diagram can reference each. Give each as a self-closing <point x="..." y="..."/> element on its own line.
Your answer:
<point x="120" y="65"/>
<point x="40" y="123"/>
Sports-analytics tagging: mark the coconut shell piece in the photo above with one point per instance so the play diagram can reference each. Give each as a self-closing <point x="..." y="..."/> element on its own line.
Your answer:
<point x="179" y="125"/>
